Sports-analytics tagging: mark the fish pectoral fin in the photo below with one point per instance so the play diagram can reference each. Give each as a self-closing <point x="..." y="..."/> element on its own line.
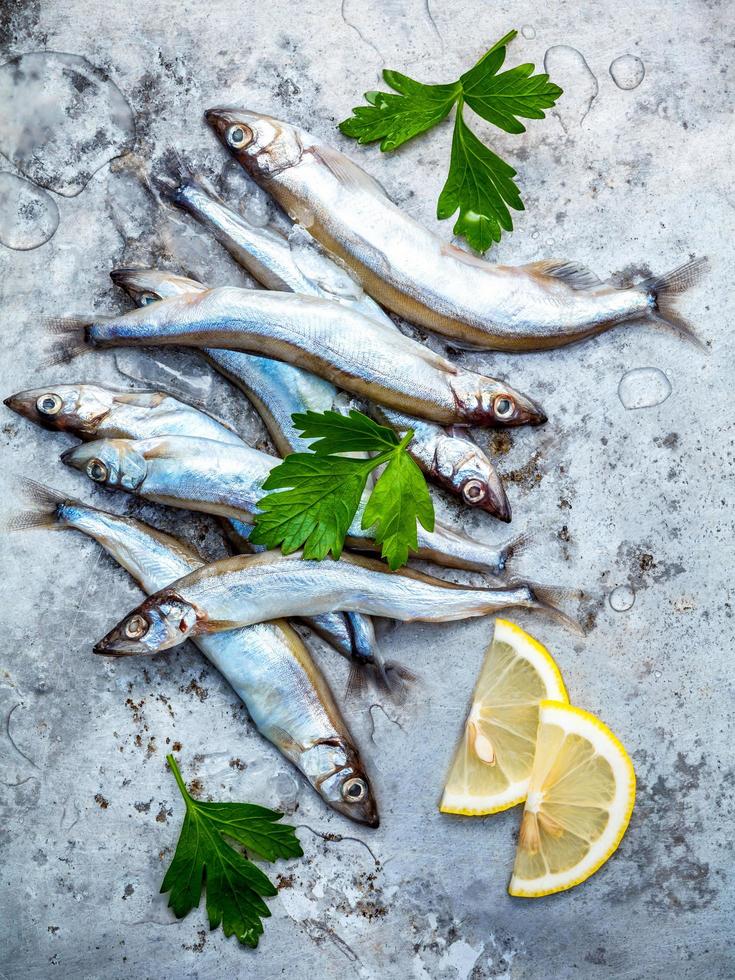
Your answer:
<point x="347" y="172"/>
<point x="575" y="275"/>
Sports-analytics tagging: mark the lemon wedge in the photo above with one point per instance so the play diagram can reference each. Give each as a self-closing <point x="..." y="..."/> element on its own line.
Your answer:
<point x="580" y="798"/>
<point x="494" y="758"/>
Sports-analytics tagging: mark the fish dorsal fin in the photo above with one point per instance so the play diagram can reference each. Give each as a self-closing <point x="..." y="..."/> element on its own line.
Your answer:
<point x="575" y="275"/>
<point x="346" y="171"/>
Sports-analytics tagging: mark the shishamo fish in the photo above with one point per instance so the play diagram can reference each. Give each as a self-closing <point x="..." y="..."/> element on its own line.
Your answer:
<point x="299" y="264"/>
<point x="413" y="272"/>
<point x="267" y="664"/>
<point x="251" y="589"/>
<point x="227" y="480"/>
<point x="94" y="412"/>
<point x="353" y="351"/>
<point x="91" y="411"/>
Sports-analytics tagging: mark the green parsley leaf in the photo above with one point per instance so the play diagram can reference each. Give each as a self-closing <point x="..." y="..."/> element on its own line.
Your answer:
<point x="319" y="493"/>
<point x="333" y="432"/>
<point x="318" y="498"/>
<point x="399" y="499"/>
<point x="479" y="185"/>
<point x="234" y="884"/>
<point x="502" y="98"/>
<point x="395" y="119"/>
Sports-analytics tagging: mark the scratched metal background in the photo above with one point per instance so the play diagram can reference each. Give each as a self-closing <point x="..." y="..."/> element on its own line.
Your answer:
<point x="626" y="180"/>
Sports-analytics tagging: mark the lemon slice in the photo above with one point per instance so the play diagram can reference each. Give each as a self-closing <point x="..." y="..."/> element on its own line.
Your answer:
<point x="493" y="761"/>
<point x="580" y="798"/>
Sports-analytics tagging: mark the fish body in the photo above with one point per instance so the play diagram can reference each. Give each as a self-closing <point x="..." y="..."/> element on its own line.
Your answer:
<point x="410" y="270"/>
<point x="203" y="475"/>
<point x="267" y="664"/>
<point x="299" y="264"/>
<point x="324" y="337"/>
<point x="254" y="588"/>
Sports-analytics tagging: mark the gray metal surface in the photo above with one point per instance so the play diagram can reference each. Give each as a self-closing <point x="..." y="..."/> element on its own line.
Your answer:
<point x="629" y="181"/>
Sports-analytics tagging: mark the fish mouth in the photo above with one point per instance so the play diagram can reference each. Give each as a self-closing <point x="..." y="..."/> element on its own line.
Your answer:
<point x="16" y="404"/>
<point x="220" y="118"/>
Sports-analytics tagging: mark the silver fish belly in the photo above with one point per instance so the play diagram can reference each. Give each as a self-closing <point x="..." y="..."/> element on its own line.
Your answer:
<point x="412" y="271"/>
<point x="267" y="665"/>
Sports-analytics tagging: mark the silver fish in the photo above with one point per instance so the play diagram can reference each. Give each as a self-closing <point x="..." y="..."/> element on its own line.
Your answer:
<point x="249" y="589"/>
<point x="413" y="272"/>
<point x="324" y="337"/>
<point x="203" y="475"/>
<point x="453" y="461"/>
<point x="267" y="664"/>
<point x="93" y="412"/>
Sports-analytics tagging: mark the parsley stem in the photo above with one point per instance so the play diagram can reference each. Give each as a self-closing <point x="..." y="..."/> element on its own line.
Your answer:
<point x="177" y="776"/>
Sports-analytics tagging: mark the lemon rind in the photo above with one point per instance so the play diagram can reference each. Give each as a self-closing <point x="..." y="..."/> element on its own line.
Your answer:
<point x="524" y="892"/>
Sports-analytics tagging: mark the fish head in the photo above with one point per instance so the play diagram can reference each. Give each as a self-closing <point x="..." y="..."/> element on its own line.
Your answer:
<point x="75" y="408"/>
<point x="466" y="471"/>
<point x="146" y="286"/>
<point x="494" y="403"/>
<point x="114" y="463"/>
<point x="163" y="621"/>
<point x="264" y="146"/>
<point x="347" y="789"/>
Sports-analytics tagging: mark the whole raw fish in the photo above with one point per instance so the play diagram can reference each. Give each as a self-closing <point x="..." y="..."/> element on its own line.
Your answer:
<point x="267" y="664"/>
<point x="94" y="412"/>
<point x="454" y="461"/>
<point x="324" y="337"/>
<point x="413" y="272"/>
<point x="250" y="589"/>
<point x="226" y="480"/>
<point x="91" y="411"/>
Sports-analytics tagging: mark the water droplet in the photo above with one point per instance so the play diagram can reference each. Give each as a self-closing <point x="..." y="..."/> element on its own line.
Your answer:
<point x="622" y="598"/>
<point x="177" y="372"/>
<point x="535" y="235"/>
<point x="528" y="31"/>
<point x="28" y="215"/>
<point x="62" y="119"/>
<point x="643" y="388"/>
<point x="627" y="71"/>
<point x="568" y="68"/>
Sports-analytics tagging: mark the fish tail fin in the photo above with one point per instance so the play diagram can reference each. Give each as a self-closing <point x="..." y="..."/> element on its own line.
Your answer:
<point x="70" y="338"/>
<point x="177" y="177"/>
<point x="512" y="549"/>
<point x="548" y="598"/>
<point x="662" y="293"/>
<point x="44" y="511"/>
<point x="356" y="679"/>
<point x="395" y="680"/>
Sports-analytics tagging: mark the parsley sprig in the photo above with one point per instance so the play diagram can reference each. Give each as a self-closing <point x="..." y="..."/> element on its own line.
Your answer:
<point x="479" y="185"/>
<point x="235" y="886"/>
<point x="319" y="493"/>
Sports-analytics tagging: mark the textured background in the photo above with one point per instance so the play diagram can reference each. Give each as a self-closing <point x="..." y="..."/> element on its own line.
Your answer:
<point x="627" y="181"/>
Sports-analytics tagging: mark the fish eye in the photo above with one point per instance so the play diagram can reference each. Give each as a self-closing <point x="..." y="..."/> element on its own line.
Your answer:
<point x="136" y="627"/>
<point x="473" y="491"/>
<point x="354" y="790"/>
<point x="503" y="407"/>
<point x="49" y="404"/>
<point x="146" y="298"/>
<point x="239" y="136"/>
<point x="97" y="471"/>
